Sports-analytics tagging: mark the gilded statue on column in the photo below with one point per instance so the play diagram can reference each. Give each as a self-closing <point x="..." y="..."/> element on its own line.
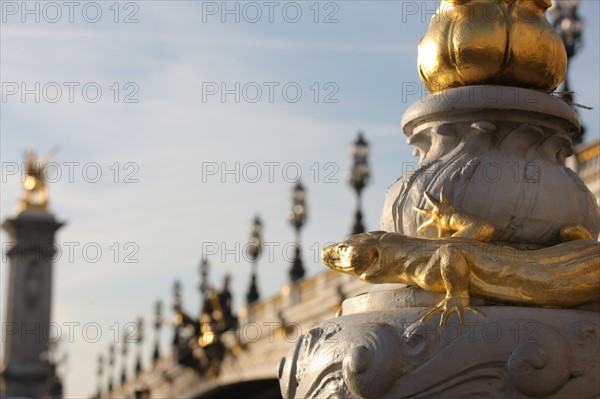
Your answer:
<point x="35" y="194"/>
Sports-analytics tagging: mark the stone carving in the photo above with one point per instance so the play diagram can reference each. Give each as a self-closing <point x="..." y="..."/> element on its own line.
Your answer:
<point x="359" y="355"/>
<point x="520" y="358"/>
<point x="512" y="354"/>
<point x="505" y="165"/>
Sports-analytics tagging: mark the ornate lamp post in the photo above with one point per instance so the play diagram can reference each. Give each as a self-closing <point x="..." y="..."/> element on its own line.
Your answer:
<point x="139" y="340"/>
<point x="157" y="324"/>
<point x="124" y="356"/>
<point x="225" y="300"/>
<point x="454" y="129"/>
<point x="359" y="177"/>
<point x="111" y="363"/>
<point x="569" y="26"/>
<point x="203" y="285"/>
<point x="254" y="249"/>
<point x="99" y="373"/>
<point x="205" y="332"/>
<point x="177" y="310"/>
<point x="297" y="218"/>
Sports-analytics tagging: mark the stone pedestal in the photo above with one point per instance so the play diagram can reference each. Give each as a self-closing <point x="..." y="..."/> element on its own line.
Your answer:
<point x="31" y="252"/>
<point x="379" y="350"/>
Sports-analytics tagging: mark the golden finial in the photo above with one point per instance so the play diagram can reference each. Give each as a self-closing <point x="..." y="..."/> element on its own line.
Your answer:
<point x="35" y="195"/>
<point x="500" y="42"/>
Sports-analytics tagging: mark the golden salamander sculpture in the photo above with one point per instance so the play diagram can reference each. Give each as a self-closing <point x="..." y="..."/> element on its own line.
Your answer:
<point x="563" y="275"/>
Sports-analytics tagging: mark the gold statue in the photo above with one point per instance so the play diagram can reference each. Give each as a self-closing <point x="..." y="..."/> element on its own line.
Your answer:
<point x="35" y="196"/>
<point x="563" y="275"/>
<point x="501" y="42"/>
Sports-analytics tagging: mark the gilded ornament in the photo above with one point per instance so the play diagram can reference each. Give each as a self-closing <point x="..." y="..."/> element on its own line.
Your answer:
<point x="502" y="42"/>
<point x="35" y="194"/>
<point x="563" y="275"/>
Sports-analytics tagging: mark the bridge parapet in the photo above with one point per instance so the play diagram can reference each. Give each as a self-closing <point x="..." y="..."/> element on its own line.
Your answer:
<point x="265" y="332"/>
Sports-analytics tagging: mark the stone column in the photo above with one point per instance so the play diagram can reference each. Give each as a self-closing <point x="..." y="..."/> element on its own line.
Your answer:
<point x="31" y="252"/>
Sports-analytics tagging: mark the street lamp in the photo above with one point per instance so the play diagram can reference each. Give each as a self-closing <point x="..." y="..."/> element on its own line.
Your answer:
<point x="124" y="356"/>
<point x="297" y="218"/>
<point x="254" y="249"/>
<point x="177" y="310"/>
<point x="359" y="177"/>
<point x="99" y="373"/>
<point x="569" y="26"/>
<point x="157" y="324"/>
<point x="111" y="363"/>
<point x="203" y="286"/>
<point x="139" y="340"/>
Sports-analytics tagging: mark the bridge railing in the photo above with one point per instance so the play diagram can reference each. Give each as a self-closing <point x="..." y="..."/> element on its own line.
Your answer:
<point x="265" y="333"/>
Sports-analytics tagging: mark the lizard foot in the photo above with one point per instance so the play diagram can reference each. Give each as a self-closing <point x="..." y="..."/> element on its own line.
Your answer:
<point x="451" y="305"/>
<point x="457" y="224"/>
<point x="440" y="215"/>
<point x="572" y="232"/>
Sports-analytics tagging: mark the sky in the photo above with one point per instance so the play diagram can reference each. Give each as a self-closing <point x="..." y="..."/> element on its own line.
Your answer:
<point x="176" y="122"/>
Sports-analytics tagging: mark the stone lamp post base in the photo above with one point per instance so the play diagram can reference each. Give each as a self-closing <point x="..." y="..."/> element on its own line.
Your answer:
<point x="378" y="350"/>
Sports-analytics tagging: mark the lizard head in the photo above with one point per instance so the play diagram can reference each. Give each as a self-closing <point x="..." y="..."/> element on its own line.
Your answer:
<point x="357" y="255"/>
